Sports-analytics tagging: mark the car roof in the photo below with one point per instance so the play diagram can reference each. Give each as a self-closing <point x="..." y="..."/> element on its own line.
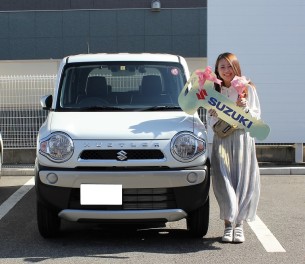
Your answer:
<point x="122" y="57"/>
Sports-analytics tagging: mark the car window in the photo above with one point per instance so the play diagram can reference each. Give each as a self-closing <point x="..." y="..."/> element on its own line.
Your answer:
<point x="122" y="85"/>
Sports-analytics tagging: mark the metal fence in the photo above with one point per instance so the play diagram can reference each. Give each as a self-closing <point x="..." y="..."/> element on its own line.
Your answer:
<point x="20" y="112"/>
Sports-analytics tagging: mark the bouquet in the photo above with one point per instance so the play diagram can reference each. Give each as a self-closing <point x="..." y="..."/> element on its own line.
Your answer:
<point x="240" y="84"/>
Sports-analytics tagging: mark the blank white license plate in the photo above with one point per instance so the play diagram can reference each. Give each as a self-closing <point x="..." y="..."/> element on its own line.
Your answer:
<point x="100" y="194"/>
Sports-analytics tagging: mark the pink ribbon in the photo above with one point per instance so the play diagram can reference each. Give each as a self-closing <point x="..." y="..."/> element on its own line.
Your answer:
<point x="239" y="83"/>
<point x="207" y="74"/>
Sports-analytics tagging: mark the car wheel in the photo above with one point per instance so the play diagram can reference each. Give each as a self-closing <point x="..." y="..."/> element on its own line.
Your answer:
<point x="48" y="221"/>
<point x="198" y="220"/>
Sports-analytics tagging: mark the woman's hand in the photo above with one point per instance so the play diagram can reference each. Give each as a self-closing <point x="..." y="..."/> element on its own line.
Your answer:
<point x="212" y="112"/>
<point x="242" y="102"/>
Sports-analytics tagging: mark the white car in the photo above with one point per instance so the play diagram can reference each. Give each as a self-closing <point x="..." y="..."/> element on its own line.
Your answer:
<point x="116" y="146"/>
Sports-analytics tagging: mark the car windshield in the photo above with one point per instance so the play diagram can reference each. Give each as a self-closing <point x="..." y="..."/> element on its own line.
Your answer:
<point x="121" y="86"/>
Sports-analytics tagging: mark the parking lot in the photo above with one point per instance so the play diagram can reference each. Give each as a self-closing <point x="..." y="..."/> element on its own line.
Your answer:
<point x="277" y="235"/>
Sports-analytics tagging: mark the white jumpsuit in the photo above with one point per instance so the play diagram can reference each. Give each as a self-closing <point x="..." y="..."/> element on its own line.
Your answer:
<point x="235" y="171"/>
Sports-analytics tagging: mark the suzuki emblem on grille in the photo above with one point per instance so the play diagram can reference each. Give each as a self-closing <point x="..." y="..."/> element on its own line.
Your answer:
<point x="122" y="155"/>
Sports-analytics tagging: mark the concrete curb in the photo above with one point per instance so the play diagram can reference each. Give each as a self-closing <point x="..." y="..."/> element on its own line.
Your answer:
<point x="17" y="172"/>
<point x="23" y="171"/>
<point x="283" y="171"/>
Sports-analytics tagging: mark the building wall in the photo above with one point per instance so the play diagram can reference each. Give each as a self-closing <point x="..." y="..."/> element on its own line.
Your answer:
<point x="268" y="38"/>
<point x="9" y="5"/>
<point x="53" y="34"/>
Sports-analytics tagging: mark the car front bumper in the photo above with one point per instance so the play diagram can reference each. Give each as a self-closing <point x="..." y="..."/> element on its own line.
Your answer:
<point x="161" y="195"/>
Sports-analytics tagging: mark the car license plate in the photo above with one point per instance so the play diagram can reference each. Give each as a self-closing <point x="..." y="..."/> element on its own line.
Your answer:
<point x="101" y="194"/>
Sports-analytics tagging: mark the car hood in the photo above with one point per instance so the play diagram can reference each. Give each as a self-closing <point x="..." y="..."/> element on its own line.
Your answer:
<point x="120" y="125"/>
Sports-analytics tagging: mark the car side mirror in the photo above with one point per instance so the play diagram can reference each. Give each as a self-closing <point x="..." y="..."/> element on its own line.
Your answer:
<point x="46" y="102"/>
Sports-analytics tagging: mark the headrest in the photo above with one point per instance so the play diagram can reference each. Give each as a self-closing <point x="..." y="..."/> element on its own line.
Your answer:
<point x="151" y="85"/>
<point x="97" y="86"/>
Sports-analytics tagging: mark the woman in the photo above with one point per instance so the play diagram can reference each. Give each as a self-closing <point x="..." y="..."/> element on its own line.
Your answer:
<point x="236" y="178"/>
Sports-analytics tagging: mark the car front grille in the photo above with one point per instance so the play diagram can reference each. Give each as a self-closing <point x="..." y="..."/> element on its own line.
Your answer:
<point x="133" y="199"/>
<point x="142" y="199"/>
<point x="126" y="154"/>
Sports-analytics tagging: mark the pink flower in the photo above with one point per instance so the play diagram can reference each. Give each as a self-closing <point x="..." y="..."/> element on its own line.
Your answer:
<point x="239" y="83"/>
<point x="207" y="74"/>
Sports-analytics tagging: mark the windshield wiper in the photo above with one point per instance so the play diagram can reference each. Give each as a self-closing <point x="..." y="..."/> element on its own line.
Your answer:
<point x="97" y="108"/>
<point x="162" y="107"/>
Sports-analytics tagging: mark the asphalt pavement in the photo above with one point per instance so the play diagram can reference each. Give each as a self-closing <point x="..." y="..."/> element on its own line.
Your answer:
<point x="276" y="236"/>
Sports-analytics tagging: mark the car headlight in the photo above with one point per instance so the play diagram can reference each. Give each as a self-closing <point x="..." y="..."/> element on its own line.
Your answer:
<point x="58" y="147"/>
<point x="185" y="146"/>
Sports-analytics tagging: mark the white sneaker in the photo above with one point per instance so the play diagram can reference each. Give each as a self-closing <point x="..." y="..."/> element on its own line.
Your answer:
<point x="239" y="235"/>
<point x="228" y="234"/>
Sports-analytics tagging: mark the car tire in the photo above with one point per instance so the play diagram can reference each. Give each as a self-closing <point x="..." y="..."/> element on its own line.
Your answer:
<point x="48" y="221"/>
<point x="198" y="221"/>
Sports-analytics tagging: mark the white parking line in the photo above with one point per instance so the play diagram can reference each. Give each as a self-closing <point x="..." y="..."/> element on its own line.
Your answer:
<point x="264" y="235"/>
<point x="16" y="197"/>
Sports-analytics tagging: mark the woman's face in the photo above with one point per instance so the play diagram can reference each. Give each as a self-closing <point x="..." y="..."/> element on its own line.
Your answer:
<point x="226" y="72"/>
